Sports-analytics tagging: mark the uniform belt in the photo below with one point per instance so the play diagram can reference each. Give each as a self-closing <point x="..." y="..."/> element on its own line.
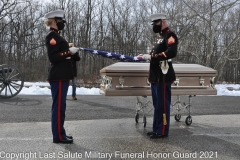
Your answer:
<point x="169" y="60"/>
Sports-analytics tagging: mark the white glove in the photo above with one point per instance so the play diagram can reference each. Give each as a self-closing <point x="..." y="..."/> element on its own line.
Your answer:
<point x="73" y="50"/>
<point x="146" y="56"/>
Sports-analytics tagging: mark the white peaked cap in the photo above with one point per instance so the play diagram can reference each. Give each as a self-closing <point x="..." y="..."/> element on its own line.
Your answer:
<point x="57" y="13"/>
<point x="158" y="16"/>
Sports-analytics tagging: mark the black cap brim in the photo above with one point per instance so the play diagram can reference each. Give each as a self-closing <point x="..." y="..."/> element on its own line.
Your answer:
<point x="60" y="18"/>
<point x="157" y="20"/>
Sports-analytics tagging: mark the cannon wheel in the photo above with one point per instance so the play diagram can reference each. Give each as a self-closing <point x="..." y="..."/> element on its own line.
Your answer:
<point x="11" y="81"/>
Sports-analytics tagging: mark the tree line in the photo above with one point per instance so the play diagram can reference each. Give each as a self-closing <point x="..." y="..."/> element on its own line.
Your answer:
<point x="208" y="32"/>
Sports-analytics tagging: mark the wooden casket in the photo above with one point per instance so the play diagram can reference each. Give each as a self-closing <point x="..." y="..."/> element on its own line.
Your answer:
<point x="131" y="79"/>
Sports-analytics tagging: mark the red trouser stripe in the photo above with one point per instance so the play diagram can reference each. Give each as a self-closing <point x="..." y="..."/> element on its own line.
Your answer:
<point x="59" y="109"/>
<point x="164" y="106"/>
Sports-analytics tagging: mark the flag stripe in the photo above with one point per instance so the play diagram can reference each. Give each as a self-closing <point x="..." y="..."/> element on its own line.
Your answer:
<point x="115" y="56"/>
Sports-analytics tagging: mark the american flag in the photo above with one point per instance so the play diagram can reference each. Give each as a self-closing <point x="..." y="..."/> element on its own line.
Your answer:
<point x="116" y="56"/>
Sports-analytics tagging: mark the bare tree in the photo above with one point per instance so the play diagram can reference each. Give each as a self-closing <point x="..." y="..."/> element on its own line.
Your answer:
<point x="208" y="32"/>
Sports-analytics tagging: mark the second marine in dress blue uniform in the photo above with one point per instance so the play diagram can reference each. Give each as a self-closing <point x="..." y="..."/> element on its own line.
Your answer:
<point x="161" y="80"/>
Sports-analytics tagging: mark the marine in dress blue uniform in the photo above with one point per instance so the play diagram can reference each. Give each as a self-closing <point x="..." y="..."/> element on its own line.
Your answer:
<point x="60" y="73"/>
<point x="161" y="74"/>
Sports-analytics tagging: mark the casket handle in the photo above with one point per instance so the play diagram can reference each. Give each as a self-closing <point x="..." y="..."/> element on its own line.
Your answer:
<point x="106" y="82"/>
<point x="189" y="87"/>
<point x="148" y="81"/>
<point x="212" y="82"/>
<point x="173" y="87"/>
<point x="201" y="81"/>
<point x="121" y="80"/>
<point x="126" y="87"/>
<point x="176" y="82"/>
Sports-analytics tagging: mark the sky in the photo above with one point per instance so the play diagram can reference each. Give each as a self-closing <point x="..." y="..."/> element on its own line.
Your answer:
<point x="35" y="89"/>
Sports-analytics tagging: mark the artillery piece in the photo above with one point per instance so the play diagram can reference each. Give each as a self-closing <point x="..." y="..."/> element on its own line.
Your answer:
<point x="11" y="81"/>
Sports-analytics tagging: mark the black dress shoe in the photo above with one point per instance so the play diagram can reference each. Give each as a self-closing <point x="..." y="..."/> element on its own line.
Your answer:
<point x="150" y="133"/>
<point x="156" y="136"/>
<point x="69" y="137"/>
<point x="66" y="140"/>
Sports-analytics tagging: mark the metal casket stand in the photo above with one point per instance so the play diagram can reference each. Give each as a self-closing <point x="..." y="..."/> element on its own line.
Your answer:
<point x="131" y="79"/>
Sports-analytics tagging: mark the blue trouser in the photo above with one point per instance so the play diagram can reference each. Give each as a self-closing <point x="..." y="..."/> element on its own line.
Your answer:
<point x="74" y="86"/>
<point x="59" y="91"/>
<point x="161" y="97"/>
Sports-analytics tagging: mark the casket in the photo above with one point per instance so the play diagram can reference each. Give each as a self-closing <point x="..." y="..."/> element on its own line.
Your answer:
<point x="131" y="79"/>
